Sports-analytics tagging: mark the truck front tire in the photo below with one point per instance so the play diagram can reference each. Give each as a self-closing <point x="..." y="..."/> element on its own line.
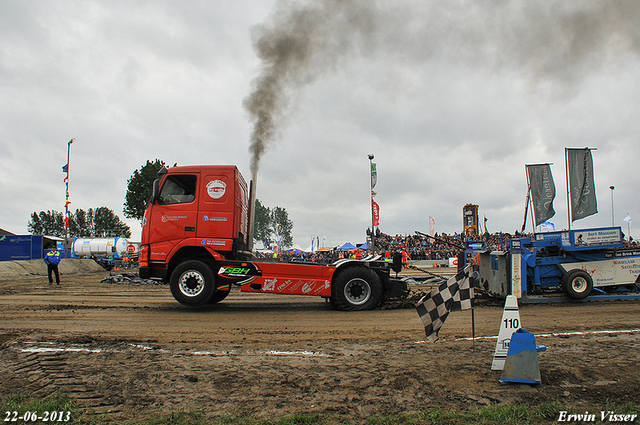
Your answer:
<point x="192" y="283"/>
<point x="577" y="284"/>
<point x="356" y="288"/>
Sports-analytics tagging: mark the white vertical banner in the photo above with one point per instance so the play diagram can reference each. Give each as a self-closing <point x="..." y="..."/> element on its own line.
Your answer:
<point x="432" y="226"/>
<point x="516" y="269"/>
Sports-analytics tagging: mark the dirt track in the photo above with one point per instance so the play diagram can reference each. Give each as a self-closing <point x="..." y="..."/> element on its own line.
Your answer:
<point x="131" y="350"/>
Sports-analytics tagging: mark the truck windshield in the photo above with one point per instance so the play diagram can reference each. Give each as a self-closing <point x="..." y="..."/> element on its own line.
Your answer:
<point x="178" y="189"/>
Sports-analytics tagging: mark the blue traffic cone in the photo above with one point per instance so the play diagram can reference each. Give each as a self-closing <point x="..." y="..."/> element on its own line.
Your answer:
<point x="521" y="365"/>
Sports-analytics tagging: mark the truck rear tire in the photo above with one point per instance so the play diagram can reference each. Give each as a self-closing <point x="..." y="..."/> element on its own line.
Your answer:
<point x="355" y="289"/>
<point x="577" y="284"/>
<point x="192" y="283"/>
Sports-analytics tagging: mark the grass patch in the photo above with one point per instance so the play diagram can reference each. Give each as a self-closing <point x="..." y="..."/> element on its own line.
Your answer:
<point x="492" y="415"/>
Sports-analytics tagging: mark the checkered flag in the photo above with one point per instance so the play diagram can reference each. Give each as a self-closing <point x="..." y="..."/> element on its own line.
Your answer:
<point x="454" y="295"/>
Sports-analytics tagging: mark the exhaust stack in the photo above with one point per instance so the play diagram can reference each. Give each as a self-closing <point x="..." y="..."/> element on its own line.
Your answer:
<point x="252" y="204"/>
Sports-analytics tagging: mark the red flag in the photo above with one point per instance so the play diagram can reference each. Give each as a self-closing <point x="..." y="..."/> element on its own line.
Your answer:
<point x="376" y="213"/>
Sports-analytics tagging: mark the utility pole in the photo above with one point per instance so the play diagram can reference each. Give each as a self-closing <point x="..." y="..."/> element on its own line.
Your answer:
<point x="612" y="219"/>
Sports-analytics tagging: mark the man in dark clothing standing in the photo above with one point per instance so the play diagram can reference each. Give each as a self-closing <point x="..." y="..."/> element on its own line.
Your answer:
<point x="52" y="259"/>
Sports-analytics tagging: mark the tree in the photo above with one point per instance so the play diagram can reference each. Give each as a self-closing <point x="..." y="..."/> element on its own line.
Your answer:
<point x="261" y="219"/>
<point x="270" y="224"/>
<point x="282" y="226"/>
<point x="139" y="189"/>
<point x="107" y="223"/>
<point x="47" y="223"/>
<point x="99" y="223"/>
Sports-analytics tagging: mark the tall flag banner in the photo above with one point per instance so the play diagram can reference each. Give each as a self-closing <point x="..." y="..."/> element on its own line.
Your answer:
<point x="376" y="212"/>
<point x="543" y="191"/>
<point x="628" y="220"/>
<point x="582" y="188"/>
<point x="485" y="224"/>
<point x="374" y="175"/>
<point x="454" y="295"/>
<point x="432" y="226"/>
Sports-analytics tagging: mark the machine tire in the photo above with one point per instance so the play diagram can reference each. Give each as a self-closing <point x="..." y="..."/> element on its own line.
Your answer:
<point x="192" y="283"/>
<point x="218" y="296"/>
<point x="577" y="284"/>
<point x="356" y="289"/>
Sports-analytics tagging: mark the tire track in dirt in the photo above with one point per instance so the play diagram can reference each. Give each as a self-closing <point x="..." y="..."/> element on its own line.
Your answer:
<point x="43" y="373"/>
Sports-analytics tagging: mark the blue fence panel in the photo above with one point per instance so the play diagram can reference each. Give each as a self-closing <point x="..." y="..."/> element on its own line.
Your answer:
<point x="37" y="252"/>
<point x="21" y="247"/>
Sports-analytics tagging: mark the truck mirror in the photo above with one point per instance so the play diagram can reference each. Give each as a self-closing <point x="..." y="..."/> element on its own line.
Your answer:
<point x="156" y="191"/>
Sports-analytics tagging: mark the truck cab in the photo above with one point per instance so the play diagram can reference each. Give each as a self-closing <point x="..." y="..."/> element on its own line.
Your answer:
<point x="194" y="212"/>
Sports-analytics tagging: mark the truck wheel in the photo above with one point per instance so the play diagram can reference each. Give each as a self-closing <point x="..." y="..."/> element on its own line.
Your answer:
<point x="577" y="284"/>
<point x="356" y="288"/>
<point x="192" y="283"/>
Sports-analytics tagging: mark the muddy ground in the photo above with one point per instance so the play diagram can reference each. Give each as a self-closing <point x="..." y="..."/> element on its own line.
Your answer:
<point x="130" y="350"/>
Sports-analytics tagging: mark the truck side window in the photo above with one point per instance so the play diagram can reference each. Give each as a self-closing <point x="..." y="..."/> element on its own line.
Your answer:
<point x="178" y="189"/>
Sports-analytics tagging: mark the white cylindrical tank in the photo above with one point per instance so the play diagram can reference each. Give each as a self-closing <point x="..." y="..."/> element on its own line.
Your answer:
<point x="100" y="247"/>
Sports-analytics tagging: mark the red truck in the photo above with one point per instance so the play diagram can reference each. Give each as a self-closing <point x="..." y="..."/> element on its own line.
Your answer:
<point x="196" y="236"/>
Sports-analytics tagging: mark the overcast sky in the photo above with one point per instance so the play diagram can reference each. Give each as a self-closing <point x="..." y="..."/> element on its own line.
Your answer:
<point x="452" y="98"/>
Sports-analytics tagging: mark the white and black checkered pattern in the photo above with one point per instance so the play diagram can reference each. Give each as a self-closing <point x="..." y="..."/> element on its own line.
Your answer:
<point x="454" y="295"/>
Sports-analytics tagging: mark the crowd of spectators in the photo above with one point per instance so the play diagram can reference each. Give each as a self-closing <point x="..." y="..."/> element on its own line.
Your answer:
<point x="416" y="247"/>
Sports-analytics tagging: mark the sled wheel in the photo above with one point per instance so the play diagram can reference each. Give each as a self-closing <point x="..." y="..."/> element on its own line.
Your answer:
<point x="192" y="283"/>
<point x="356" y="288"/>
<point x="577" y="284"/>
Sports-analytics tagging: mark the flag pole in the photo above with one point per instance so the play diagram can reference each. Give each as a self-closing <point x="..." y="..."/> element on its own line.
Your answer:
<point x="473" y="327"/>
<point x="527" y="200"/>
<point x="66" y="203"/>
<point x="566" y="179"/>
<point x="373" y="219"/>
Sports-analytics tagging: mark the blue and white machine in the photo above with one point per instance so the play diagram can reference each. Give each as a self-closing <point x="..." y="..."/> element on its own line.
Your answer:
<point x="574" y="261"/>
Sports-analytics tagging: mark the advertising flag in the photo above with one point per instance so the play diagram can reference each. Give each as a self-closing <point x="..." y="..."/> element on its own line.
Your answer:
<point x="543" y="191"/>
<point x="432" y="226"/>
<point x="582" y="186"/>
<point x="628" y="220"/>
<point x="376" y="212"/>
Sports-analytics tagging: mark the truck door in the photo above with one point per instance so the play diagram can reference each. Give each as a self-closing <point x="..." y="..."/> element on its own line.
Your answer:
<point x="216" y="215"/>
<point x="174" y="215"/>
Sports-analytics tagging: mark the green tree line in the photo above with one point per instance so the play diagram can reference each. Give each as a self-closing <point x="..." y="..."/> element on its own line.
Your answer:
<point x="101" y="222"/>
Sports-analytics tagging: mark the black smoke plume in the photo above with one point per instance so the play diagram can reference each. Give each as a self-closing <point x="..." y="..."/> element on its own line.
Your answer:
<point x="555" y="41"/>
